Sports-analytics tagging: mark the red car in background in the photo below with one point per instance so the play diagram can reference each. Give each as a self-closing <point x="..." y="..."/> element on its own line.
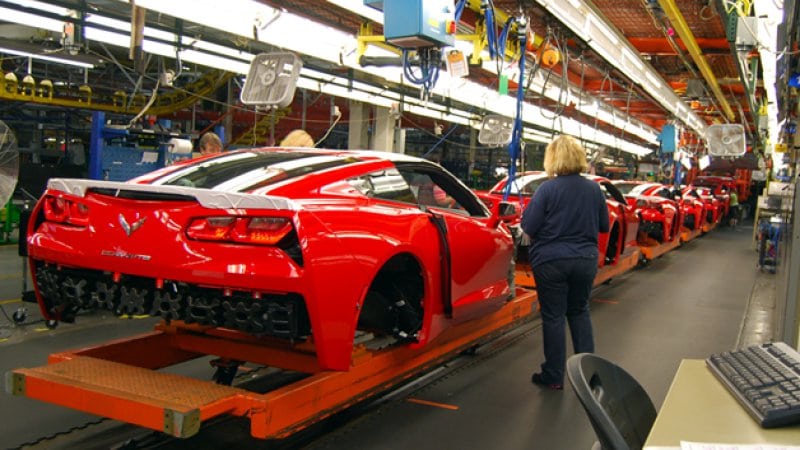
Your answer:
<point x="713" y="207"/>
<point x="694" y="216"/>
<point x="525" y="184"/>
<point x="296" y="244"/>
<point x="624" y="224"/>
<point x="660" y="213"/>
<point x="721" y="188"/>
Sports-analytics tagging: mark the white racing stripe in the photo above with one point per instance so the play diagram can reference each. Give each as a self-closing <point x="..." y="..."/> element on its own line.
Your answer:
<point x="206" y="197"/>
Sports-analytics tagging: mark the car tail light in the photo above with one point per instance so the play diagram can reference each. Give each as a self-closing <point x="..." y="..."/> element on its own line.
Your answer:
<point x="61" y="210"/>
<point x="243" y="230"/>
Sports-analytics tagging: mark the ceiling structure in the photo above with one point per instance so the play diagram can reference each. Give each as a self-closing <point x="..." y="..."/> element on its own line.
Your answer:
<point x="615" y="94"/>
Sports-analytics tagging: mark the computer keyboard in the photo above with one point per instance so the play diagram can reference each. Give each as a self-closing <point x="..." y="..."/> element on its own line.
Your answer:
<point x="765" y="379"/>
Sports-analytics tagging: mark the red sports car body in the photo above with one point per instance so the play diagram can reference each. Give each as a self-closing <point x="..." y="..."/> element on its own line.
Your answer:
<point x="660" y="214"/>
<point x="693" y="212"/>
<point x="290" y="243"/>
<point x="713" y="207"/>
<point x="622" y="218"/>
<point x="720" y="187"/>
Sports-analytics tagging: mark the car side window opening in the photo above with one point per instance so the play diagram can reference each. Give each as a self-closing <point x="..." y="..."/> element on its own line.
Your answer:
<point x="428" y="193"/>
<point x="429" y="189"/>
<point x="439" y="189"/>
<point x="385" y="185"/>
<point x="612" y="192"/>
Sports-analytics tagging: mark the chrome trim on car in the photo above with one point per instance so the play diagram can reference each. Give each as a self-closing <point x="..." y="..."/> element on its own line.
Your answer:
<point x="130" y="228"/>
<point x="206" y="197"/>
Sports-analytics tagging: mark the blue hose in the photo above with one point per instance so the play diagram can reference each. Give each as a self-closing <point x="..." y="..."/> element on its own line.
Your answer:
<point x="516" y="132"/>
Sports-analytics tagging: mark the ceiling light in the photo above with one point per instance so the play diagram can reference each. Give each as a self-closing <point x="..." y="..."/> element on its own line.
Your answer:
<point x="609" y="44"/>
<point x="55" y="59"/>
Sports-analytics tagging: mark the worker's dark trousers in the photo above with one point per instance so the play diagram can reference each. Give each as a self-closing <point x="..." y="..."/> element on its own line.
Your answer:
<point x="563" y="287"/>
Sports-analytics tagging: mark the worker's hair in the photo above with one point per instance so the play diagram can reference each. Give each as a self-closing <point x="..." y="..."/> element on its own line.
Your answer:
<point x="209" y="139"/>
<point x="297" y="138"/>
<point x="565" y="156"/>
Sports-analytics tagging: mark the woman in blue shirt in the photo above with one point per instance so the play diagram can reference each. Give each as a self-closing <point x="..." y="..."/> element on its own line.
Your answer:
<point x="563" y="220"/>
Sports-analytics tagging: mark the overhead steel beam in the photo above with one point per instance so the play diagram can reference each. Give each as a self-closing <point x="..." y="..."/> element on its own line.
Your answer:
<point x="661" y="46"/>
<point x="685" y="33"/>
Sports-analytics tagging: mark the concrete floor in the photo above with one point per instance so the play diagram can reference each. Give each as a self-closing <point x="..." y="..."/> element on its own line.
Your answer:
<point x="705" y="297"/>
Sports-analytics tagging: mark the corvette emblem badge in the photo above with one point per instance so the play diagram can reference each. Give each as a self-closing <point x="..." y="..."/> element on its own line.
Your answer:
<point x="130" y="228"/>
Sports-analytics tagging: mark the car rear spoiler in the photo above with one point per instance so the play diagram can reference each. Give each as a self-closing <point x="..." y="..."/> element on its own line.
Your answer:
<point x="206" y="197"/>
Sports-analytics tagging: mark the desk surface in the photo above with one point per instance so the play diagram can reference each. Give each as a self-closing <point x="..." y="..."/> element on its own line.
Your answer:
<point x="698" y="408"/>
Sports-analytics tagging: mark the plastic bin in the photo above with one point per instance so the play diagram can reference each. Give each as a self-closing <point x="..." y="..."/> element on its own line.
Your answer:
<point x="769" y="234"/>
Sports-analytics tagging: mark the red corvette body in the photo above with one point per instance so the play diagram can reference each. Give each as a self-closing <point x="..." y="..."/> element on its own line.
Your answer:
<point x="661" y="216"/>
<point x="693" y="208"/>
<point x="624" y="223"/>
<point x="713" y="207"/>
<point x="720" y="187"/>
<point x="288" y="243"/>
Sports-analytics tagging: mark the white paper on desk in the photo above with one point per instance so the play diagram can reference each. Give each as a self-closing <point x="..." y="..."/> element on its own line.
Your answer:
<point x="714" y="446"/>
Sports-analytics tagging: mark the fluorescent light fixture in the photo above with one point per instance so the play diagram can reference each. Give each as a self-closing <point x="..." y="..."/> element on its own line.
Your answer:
<point x="31" y="20"/>
<point x="50" y="58"/>
<point x="298" y="34"/>
<point x="358" y="7"/>
<point x="584" y="22"/>
<point x="770" y="15"/>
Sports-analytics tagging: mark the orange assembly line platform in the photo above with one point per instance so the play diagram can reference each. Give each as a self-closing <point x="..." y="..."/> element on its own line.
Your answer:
<point x="119" y="380"/>
<point x="689" y="235"/>
<point x="653" y="249"/>
<point x="626" y="262"/>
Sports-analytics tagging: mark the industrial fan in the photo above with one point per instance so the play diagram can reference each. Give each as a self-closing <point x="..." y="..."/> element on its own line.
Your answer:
<point x="9" y="173"/>
<point x="271" y="80"/>
<point x="9" y="163"/>
<point x="496" y="130"/>
<point x="726" y="140"/>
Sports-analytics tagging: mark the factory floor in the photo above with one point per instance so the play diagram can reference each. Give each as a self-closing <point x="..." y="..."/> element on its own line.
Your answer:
<point x="705" y="297"/>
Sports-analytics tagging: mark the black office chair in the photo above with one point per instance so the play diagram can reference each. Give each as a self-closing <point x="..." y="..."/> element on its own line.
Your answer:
<point x="620" y="410"/>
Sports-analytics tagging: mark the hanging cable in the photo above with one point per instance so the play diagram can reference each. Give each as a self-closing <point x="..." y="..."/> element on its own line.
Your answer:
<point x="488" y="18"/>
<point x="502" y="40"/>
<point x="459" y="9"/>
<point x="429" y="63"/>
<point x="516" y="132"/>
<point x="580" y="97"/>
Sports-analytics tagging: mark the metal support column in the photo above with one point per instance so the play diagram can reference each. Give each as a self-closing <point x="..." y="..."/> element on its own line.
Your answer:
<point x="96" y="146"/>
<point x="787" y="328"/>
<point x="383" y="138"/>
<point x="227" y="122"/>
<point x="358" y="129"/>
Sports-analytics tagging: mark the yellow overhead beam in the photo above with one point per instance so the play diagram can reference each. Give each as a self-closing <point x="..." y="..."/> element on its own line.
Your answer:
<point x="680" y="25"/>
<point x="118" y="103"/>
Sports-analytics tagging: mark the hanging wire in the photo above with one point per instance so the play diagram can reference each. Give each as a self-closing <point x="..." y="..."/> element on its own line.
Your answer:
<point x="580" y="97"/>
<point x="627" y="110"/>
<point x="429" y="62"/>
<point x="516" y="133"/>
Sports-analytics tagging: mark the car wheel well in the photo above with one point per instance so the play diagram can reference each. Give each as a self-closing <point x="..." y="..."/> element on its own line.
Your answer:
<point x="393" y="303"/>
<point x="689" y="221"/>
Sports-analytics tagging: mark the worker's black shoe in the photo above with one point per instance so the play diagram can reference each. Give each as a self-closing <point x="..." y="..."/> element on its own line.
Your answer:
<point x="537" y="379"/>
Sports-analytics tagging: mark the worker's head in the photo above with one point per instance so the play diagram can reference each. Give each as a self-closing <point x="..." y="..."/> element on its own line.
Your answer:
<point x="297" y="138"/>
<point x="209" y="144"/>
<point x="565" y="156"/>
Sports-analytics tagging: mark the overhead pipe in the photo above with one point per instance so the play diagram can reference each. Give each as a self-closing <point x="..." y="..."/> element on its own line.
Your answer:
<point x="136" y="52"/>
<point x="680" y="25"/>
